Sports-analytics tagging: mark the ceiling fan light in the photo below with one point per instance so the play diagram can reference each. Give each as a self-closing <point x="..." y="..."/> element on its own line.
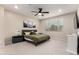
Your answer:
<point x="39" y="14"/>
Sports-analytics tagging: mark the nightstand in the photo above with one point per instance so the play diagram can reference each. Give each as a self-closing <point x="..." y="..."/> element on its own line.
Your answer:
<point x="16" y="39"/>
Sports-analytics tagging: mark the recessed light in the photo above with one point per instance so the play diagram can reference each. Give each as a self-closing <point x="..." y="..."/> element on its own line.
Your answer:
<point x="59" y="10"/>
<point x="16" y="7"/>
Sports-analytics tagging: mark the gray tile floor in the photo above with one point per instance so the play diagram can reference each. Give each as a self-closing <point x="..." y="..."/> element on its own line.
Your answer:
<point x="54" y="46"/>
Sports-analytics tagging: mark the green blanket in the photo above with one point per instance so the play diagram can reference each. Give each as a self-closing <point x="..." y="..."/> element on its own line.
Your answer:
<point x="38" y="37"/>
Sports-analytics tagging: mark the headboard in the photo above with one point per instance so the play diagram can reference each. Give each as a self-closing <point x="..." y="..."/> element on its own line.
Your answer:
<point x="28" y="31"/>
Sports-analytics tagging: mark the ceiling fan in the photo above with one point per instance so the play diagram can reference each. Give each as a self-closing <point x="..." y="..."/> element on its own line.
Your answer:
<point x="40" y="12"/>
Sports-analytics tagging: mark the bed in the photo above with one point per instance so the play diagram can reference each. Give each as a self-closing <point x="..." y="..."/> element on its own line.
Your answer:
<point x="35" y="38"/>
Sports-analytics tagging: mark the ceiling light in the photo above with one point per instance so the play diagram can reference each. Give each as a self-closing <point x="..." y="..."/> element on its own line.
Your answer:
<point x="39" y="14"/>
<point x="16" y="7"/>
<point x="59" y="10"/>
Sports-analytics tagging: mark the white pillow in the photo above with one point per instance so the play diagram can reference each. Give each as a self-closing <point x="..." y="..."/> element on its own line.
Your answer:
<point x="27" y="33"/>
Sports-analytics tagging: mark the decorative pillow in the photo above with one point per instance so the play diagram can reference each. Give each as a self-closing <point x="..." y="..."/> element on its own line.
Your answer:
<point x="27" y="33"/>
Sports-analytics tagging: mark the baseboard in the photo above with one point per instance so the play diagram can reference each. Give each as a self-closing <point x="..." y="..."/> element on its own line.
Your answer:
<point x="70" y="51"/>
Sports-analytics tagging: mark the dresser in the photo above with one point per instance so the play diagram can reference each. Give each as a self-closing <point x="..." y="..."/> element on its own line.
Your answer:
<point x="72" y="43"/>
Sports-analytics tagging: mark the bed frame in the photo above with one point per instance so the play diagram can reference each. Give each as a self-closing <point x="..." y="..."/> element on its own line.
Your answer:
<point x="31" y="41"/>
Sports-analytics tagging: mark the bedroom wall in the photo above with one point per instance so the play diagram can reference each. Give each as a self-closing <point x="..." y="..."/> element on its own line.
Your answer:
<point x="2" y="36"/>
<point x="68" y="26"/>
<point x="14" y="23"/>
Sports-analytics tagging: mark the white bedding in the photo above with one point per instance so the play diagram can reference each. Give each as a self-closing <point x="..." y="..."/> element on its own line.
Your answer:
<point x="28" y="39"/>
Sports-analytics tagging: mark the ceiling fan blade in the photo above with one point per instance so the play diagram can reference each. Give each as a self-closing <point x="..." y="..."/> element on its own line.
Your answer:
<point x="45" y="12"/>
<point x="35" y="11"/>
<point x="36" y="14"/>
<point x="40" y="10"/>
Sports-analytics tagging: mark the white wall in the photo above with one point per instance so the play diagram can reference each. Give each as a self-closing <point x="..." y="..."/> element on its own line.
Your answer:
<point x="2" y="36"/>
<point x="14" y="23"/>
<point x="68" y="25"/>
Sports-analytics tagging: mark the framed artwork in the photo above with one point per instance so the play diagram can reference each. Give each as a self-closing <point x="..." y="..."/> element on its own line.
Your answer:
<point x="28" y="24"/>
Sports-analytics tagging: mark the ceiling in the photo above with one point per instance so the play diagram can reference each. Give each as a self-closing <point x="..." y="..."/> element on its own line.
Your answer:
<point x="26" y="9"/>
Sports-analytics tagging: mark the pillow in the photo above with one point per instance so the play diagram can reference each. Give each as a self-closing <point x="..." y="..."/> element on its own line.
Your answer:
<point x="32" y="33"/>
<point x="27" y="33"/>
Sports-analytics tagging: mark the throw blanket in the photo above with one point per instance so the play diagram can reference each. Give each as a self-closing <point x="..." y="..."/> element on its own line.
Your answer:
<point x="38" y="37"/>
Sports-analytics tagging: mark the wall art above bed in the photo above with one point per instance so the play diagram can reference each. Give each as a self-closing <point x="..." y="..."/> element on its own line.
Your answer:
<point x="29" y="24"/>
